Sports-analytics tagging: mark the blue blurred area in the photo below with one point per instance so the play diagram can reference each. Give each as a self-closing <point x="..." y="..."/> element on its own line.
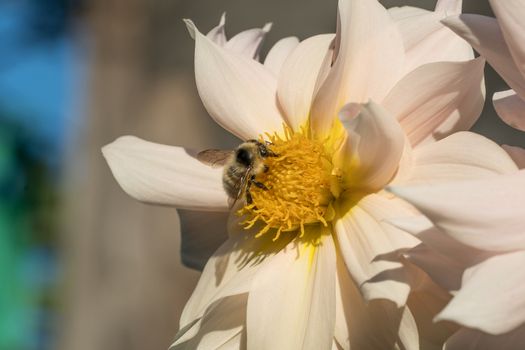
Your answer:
<point x="36" y="73"/>
<point x="36" y="80"/>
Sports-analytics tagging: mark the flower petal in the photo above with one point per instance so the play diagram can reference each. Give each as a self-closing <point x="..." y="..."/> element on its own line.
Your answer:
<point x="371" y="153"/>
<point x="485" y="214"/>
<point x="443" y="258"/>
<point x="460" y="156"/>
<point x="218" y="34"/>
<point x="510" y="108"/>
<point x="364" y="238"/>
<point x="292" y="300"/>
<point x="248" y="43"/>
<point x="378" y="324"/>
<point x="426" y="39"/>
<point x="238" y="92"/>
<point x="510" y="14"/>
<point x="438" y="99"/>
<point x="301" y="74"/>
<point x="166" y="175"/>
<point x="278" y="54"/>
<point x="484" y="34"/>
<point x="221" y="326"/>
<point x="517" y="154"/>
<point x="450" y="7"/>
<point x="202" y="233"/>
<point x="492" y="296"/>
<point x="228" y="272"/>
<point x="369" y="61"/>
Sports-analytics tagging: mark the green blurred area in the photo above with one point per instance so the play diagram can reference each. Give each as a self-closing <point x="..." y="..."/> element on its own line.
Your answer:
<point x="28" y="217"/>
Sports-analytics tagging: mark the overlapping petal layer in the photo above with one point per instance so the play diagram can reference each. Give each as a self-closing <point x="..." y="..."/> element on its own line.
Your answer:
<point x="278" y="54"/>
<point x="241" y="97"/>
<point x="511" y="108"/>
<point x="438" y="99"/>
<point x="369" y="164"/>
<point x="367" y="255"/>
<point x="293" y="298"/>
<point x="246" y="43"/>
<point x="377" y="324"/>
<point x="461" y="156"/>
<point x="510" y="14"/>
<point x="498" y="279"/>
<point x="369" y="61"/>
<point x="484" y="34"/>
<point x="426" y="39"/>
<point x="302" y="72"/>
<point x="485" y="214"/>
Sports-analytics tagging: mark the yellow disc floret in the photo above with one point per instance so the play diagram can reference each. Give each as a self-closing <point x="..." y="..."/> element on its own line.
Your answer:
<point x="297" y="186"/>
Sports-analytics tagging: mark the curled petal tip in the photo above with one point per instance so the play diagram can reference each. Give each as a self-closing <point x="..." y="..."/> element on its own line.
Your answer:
<point x="267" y="27"/>
<point x="192" y="29"/>
<point x="223" y="19"/>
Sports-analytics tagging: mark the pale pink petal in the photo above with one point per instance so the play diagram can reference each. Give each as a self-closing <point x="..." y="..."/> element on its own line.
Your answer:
<point x="442" y="269"/>
<point x="484" y="34"/>
<point x="486" y="214"/>
<point x="471" y="339"/>
<point x="408" y="331"/>
<point x="239" y="93"/>
<point x="517" y="154"/>
<point x="229" y="272"/>
<point x="510" y="15"/>
<point x="438" y="99"/>
<point x="405" y="164"/>
<point x="220" y="327"/>
<point x="364" y="239"/>
<point x="218" y="34"/>
<point x="202" y="233"/>
<point x="165" y="175"/>
<point x="369" y="61"/>
<point x="426" y="39"/>
<point x="377" y="324"/>
<point x="292" y="299"/>
<point x="404" y="12"/>
<point x="371" y="153"/>
<point x="278" y="54"/>
<point x="300" y="75"/>
<point x="492" y="296"/>
<point x="248" y="43"/>
<point x="443" y="258"/>
<point x="449" y="7"/>
<point x="510" y="108"/>
<point x="460" y="156"/>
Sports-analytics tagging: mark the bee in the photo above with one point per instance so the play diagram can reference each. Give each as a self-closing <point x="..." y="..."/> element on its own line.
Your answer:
<point x="241" y="167"/>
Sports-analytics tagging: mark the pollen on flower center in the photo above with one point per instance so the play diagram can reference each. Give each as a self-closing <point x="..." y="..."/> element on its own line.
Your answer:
<point x="297" y="186"/>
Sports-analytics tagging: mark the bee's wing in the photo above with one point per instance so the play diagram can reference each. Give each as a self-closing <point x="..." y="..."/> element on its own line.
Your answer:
<point x="214" y="157"/>
<point x="241" y="186"/>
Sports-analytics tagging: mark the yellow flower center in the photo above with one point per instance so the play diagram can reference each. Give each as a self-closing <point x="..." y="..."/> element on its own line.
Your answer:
<point x="297" y="187"/>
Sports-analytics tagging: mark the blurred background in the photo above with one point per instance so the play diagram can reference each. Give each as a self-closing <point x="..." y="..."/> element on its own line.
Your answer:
<point x="82" y="265"/>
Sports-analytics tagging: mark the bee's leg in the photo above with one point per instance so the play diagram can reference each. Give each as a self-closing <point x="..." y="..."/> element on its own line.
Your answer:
<point x="271" y="154"/>
<point x="249" y="199"/>
<point x="258" y="184"/>
<point x="266" y="168"/>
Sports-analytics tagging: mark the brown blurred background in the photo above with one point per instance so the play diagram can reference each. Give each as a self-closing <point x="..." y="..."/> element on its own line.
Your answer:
<point x="121" y="284"/>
